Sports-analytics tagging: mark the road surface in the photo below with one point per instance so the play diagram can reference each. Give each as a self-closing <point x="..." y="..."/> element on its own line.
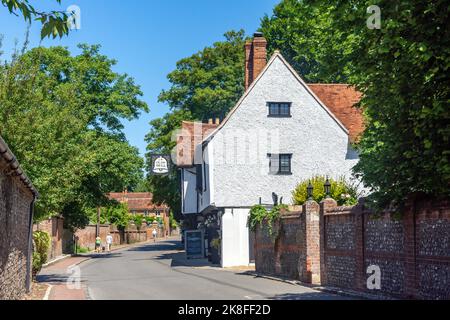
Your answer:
<point x="160" y="271"/>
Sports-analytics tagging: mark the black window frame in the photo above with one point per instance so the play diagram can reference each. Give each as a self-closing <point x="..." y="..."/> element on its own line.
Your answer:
<point x="199" y="177"/>
<point x="279" y="107"/>
<point x="279" y="159"/>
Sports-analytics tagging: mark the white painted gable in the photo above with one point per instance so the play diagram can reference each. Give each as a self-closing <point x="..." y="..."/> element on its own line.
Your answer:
<point x="318" y="141"/>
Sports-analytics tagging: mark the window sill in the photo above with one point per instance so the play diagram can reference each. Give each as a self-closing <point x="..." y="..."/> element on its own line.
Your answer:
<point x="281" y="174"/>
<point x="280" y="116"/>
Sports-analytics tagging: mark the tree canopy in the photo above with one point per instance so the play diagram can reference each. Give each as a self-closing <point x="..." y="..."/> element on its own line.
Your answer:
<point x="302" y="32"/>
<point x="402" y="71"/>
<point x="61" y="115"/>
<point x="209" y="82"/>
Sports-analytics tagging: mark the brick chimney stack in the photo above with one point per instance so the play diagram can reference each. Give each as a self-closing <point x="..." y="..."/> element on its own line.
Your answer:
<point x="255" y="58"/>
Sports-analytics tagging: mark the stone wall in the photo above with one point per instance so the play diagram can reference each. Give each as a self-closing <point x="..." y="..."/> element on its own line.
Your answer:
<point x="411" y="248"/>
<point x="15" y="204"/>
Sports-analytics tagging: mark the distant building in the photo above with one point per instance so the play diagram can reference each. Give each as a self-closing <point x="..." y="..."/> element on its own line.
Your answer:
<point x="141" y="203"/>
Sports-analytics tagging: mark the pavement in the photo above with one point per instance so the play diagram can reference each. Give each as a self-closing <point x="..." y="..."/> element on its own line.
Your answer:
<point x="160" y="271"/>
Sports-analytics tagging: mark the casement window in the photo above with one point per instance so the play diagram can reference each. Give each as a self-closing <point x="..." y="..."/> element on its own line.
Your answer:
<point x="280" y="164"/>
<point x="279" y="109"/>
<point x="199" y="177"/>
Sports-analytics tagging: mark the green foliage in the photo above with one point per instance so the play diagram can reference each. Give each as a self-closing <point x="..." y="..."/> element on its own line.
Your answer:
<point x="216" y="243"/>
<point x="138" y="219"/>
<point x="118" y="215"/>
<point x="204" y="85"/>
<point x="41" y="245"/>
<point x="172" y="221"/>
<point x="301" y="31"/>
<point x="82" y="249"/>
<point x="210" y="82"/>
<point x="73" y="106"/>
<point x="150" y="220"/>
<point x="342" y="191"/>
<point x="54" y="23"/>
<point x="403" y="71"/>
<point x="259" y="215"/>
<point x="36" y="263"/>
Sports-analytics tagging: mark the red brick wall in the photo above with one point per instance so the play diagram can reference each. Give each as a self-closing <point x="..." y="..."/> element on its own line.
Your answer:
<point x="293" y="246"/>
<point x="411" y="248"/>
<point x="54" y="228"/>
<point x="86" y="237"/>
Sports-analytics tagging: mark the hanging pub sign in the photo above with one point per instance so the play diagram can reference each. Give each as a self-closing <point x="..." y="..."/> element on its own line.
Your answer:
<point x="160" y="164"/>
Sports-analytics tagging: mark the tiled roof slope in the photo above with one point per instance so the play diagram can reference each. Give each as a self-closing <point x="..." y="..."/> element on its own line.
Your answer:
<point x="189" y="138"/>
<point x="340" y="100"/>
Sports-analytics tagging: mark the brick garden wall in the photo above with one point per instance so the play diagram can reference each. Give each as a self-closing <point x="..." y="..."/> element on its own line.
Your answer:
<point x="15" y="202"/>
<point x="54" y="227"/>
<point x="86" y="237"/>
<point x="62" y="239"/>
<point x="412" y="250"/>
<point x="285" y="252"/>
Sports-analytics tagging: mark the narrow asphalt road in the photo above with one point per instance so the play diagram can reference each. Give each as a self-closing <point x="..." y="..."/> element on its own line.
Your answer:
<point x="160" y="272"/>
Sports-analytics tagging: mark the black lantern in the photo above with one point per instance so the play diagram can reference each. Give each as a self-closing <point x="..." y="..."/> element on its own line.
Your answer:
<point x="327" y="188"/>
<point x="310" y="190"/>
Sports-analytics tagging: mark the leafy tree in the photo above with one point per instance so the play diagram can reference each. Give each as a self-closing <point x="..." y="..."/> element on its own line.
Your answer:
<point x="54" y="23"/>
<point x="402" y="70"/>
<point x="138" y="219"/>
<point x="302" y="31"/>
<point x="210" y="82"/>
<point x="172" y="221"/>
<point x="205" y="85"/>
<point x="73" y="105"/>
<point x="118" y="215"/>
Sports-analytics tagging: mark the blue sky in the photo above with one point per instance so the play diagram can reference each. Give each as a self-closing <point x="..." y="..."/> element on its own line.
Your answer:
<point x="147" y="37"/>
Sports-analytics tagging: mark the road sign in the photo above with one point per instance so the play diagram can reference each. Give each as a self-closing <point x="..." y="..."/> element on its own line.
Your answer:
<point x="160" y="164"/>
<point x="194" y="244"/>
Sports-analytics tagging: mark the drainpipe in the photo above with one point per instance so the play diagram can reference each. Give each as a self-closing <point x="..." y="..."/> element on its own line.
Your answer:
<point x="30" y="245"/>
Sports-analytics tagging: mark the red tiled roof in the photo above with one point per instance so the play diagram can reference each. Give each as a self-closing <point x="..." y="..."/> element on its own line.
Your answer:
<point x="192" y="134"/>
<point x="137" y="201"/>
<point x="340" y="100"/>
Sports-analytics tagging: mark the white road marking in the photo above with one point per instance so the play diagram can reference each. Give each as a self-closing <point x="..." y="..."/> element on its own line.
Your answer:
<point x="47" y="292"/>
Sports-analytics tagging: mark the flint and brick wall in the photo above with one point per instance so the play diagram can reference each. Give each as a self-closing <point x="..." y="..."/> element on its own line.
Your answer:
<point x="411" y="248"/>
<point x="15" y="202"/>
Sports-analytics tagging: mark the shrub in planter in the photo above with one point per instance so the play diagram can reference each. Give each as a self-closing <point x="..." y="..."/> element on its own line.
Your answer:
<point x="345" y="193"/>
<point x="41" y="244"/>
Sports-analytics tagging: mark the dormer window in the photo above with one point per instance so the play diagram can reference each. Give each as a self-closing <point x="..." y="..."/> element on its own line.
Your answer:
<point x="279" y="109"/>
